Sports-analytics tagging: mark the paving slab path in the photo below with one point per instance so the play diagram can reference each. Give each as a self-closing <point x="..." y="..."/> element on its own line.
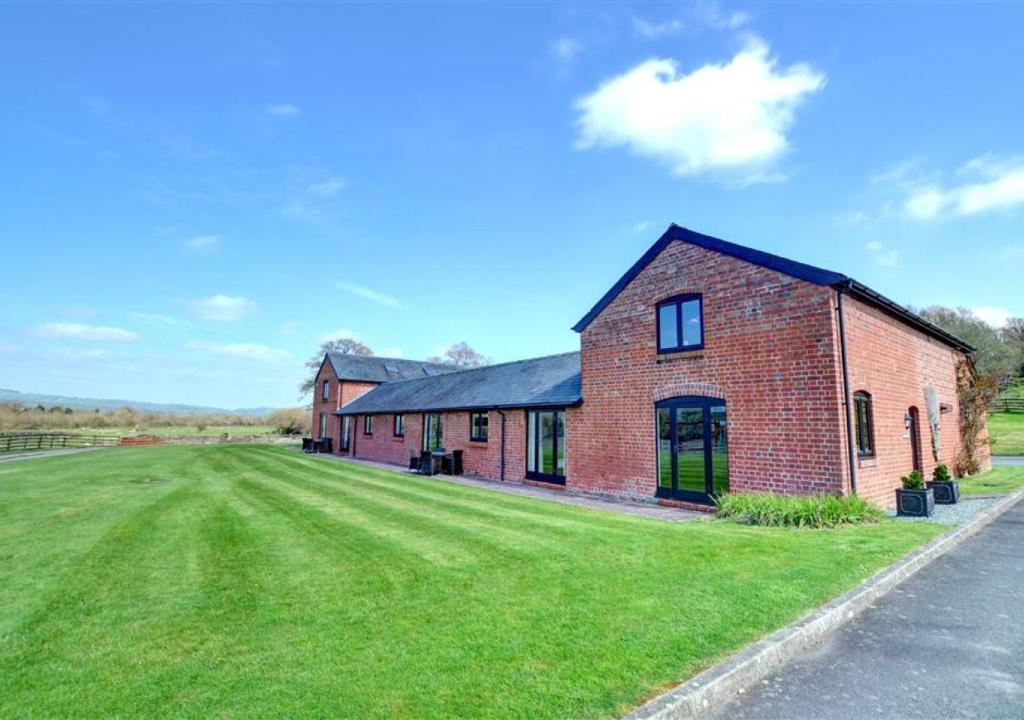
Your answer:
<point x="947" y="643"/>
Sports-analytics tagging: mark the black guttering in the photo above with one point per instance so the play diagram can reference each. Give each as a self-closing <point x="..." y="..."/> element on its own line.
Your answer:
<point x="801" y="271"/>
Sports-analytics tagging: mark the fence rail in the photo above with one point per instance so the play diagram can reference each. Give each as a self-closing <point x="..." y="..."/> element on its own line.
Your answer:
<point x="28" y="441"/>
<point x="21" y="442"/>
<point x="1007" y="405"/>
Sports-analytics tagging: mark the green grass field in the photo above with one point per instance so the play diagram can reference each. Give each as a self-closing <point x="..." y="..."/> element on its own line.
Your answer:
<point x="996" y="480"/>
<point x="166" y="430"/>
<point x="1007" y="433"/>
<point x="255" y="581"/>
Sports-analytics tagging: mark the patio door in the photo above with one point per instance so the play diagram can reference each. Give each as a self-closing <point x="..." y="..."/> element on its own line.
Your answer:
<point x="693" y="448"/>
<point x="545" y="445"/>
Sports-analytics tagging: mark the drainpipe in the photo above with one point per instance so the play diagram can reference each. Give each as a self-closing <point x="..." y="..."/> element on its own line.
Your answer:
<point x="502" y="445"/>
<point x="846" y="391"/>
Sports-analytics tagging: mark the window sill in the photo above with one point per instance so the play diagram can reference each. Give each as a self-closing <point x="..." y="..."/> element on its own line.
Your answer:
<point x="680" y="355"/>
<point x="399" y="438"/>
<point x="477" y="441"/>
<point x="867" y="462"/>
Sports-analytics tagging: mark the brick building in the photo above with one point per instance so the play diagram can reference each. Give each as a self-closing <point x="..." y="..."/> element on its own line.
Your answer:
<point x="708" y="366"/>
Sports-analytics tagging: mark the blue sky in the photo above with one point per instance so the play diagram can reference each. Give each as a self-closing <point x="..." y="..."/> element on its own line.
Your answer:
<point x="195" y="195"/>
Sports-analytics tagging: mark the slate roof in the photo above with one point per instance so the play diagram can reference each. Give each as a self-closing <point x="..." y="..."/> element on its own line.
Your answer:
<point x="799" y="270"/>
<point x="382" y="370"/>
<point x="544" y="381"/>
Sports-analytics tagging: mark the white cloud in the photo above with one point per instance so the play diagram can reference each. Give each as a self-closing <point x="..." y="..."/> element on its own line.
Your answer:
<point x="289" y="329"/>
<point x="732" y="117"/>
<point x="994" y="316"/>
<point x="648" y="29"/>
<point x="393" y="352"/>
<point x="283" y="110"/>
<point x="565" y="49"/>
<point x="712" y="15"/>
<point x="248" y="351"/>
<point x="343" y="334"/>
<point x="998" y="184"/>
<point x="882" y="255"/>
<point x="81" y="331"/>
<point x="368" y="294"/>
<point x="328" y="188"/>
<point x="203" y="243"/>
<point x="156" y="319"/>
<point x="642" y="226"/>
<point x="222" y="308"/>
<point x="78" y="353"/>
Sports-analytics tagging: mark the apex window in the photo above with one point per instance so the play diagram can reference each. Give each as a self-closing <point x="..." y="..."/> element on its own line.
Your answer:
<point x="680" y="324"/>
<point x="478" y="426"/>
<point x="864" y="425"/>
<point x="326" y="390"/>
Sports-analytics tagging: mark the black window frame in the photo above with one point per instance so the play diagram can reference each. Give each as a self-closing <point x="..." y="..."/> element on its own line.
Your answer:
<point x="323" y="427"/>
<point x="325" y="394"/>
<point x="864" y="424"/>
<point x="678" y="301"/>
<point x="475" y="427"/>
<point x="367" y="424"/>
<point x="426" y="428"/>
<point x="535" y="473"/>
<point x="344" y="441"/>
<point x="398" y="425"/>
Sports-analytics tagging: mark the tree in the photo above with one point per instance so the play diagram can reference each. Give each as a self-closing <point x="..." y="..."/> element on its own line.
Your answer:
<point x="1013" y="335"/>
<point x="993" y="356"/>
<point x="461" y="355"/>
<point x="343" y="346"/>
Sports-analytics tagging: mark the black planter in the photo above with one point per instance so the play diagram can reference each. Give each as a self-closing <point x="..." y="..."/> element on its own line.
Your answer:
<point x="915" y="503"/>
<point x="947" y="492"/>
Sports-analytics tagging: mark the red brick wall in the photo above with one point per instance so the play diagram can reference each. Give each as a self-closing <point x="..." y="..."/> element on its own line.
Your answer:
<point x="770" y="352"/>
<point x="894" y="364"/>
<point x="338" y="394"/>
<point x="478" y="458"/>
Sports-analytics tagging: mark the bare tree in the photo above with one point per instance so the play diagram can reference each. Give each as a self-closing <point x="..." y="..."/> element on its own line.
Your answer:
<point x="1013" y="335"/>
<point x="343" y="346"/>
<point x="461" y="355"/>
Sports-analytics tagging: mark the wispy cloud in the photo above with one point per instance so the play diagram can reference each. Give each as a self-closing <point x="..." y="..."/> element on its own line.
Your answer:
<point x="733" y="117"/>
<point x="993" y="184"/>
<point x="156" y="319"/>
<point x="712" y="15"/>
<point x="283" y="110"/>
<point x="203" y="243"/>
<point x="648" y="29"/>
<point x="884" y="256"/>
<point x="392" y="352"/>
<point x="994" y="316"/>
<point x="222" y="308"/>
<point x="81" y="331"/>
<point x="642" y="226"/>
<point x="343" y="334"/>
<point x="78" y="353"/>
<point x="248" y="351"/>
<point x="328" y="188"/>
<point x="368" y="294"/>
<point x="565" y="49"/>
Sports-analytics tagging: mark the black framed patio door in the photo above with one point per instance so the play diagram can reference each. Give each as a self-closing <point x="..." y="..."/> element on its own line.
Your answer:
<point x="545" y="445"/>
<point x="693" y="448"/>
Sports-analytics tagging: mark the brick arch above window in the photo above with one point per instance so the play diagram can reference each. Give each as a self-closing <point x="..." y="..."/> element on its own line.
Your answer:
<point x="688" y="388"/>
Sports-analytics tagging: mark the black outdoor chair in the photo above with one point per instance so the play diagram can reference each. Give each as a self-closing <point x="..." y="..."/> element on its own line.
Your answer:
<point x="307" y="445"/>
<point x="428" y="466"/>
<point x="414" y="462"/>
<point x="324" y="445"/>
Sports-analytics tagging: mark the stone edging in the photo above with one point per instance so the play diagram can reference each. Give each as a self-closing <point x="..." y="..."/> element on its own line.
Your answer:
<point x="721" y="683"/>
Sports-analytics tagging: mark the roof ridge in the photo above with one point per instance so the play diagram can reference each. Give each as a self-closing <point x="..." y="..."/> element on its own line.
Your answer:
<point x="484" y="367"/>
<point x="388" y="359"/>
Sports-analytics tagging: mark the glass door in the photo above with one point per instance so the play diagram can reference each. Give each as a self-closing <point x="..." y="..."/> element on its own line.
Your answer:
<point x="693" y="448"/>
<point x="545" y="445"/>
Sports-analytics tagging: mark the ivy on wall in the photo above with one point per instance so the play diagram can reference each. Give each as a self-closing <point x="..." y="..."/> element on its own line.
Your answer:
<point x="975" y="393"/>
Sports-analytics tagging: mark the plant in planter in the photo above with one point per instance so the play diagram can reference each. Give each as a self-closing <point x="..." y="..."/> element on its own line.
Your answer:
<point x="914" y="499"/>
<point x="945" y="488"/>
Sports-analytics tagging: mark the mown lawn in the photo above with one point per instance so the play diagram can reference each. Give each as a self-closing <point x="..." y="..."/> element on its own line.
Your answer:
<point x="255" y="581"/>
<point x="1007" y="433"/>
<point x="997" y="480"/>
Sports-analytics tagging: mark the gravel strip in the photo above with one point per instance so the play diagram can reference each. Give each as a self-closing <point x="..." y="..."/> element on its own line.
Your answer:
<point x="951" y="514"/>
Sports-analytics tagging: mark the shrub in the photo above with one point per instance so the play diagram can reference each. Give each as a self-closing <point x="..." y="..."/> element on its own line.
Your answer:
<point x="941" y="473"/>
<point x="290" y="421"/>
<point x="913" y="481"/>
<point x="809" y="511"/>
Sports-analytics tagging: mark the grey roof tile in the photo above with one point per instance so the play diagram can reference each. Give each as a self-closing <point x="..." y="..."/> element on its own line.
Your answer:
<point x="382" y="370"/>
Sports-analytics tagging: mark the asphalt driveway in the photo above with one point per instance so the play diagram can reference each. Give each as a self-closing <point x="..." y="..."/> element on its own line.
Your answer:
<point x="947" y="643"/>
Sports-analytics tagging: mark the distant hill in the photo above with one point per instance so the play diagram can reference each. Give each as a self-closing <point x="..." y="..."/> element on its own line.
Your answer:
<point x="32" y="399"/>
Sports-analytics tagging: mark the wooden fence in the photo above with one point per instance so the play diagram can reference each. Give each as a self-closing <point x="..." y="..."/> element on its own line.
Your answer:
<point x="1007" y="405"/>
<point x="28" y="441"/>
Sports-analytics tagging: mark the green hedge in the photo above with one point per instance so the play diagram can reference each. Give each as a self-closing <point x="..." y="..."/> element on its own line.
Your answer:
<point x="811" y="511"/>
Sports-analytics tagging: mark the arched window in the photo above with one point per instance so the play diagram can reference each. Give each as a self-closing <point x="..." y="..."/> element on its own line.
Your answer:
<point x="864" y="424"/>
